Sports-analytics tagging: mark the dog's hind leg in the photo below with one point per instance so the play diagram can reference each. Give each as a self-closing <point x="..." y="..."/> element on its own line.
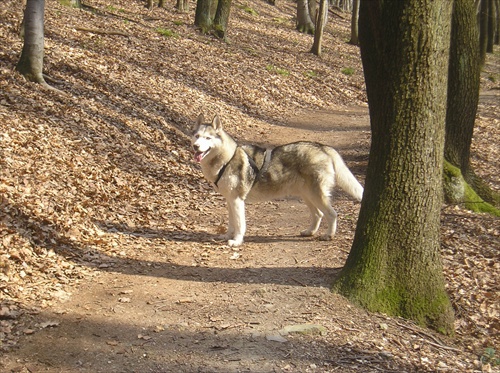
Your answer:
<point x="316" y="216"/>
<point x="322" y="202"/>
<point x="238" y="224"/>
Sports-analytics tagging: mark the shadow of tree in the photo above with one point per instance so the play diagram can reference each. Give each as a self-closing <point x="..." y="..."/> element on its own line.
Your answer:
<point x="93" y="343"/>
<point x="46" y="234"/>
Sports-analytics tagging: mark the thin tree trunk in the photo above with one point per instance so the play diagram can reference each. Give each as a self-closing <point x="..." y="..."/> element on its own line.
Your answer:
<point x="354" y="23"/>
<point x="182" y="5"/>
<point x="222" y="18"/>
<point x="320" y="25"/>
<point x="491" y="26"/>
<point x="483" y="30"/>
<point x="31" y="61"/>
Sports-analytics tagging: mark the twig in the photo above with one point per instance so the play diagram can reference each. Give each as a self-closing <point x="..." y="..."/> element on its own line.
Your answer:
<point x="436" y="343"/>
<point x="102" y="32"/>
<point x="299" y="282"/>
<point x="336" y="14"/>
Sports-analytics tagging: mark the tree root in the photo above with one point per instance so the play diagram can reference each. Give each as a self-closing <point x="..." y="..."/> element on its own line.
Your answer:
<point x="458" y="191"/>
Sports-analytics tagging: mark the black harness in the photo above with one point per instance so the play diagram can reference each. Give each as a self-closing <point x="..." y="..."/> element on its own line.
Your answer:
<point x="254" y="166"/>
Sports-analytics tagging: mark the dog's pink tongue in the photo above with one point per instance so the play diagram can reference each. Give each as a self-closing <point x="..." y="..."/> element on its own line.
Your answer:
<point x="198" y="156"/>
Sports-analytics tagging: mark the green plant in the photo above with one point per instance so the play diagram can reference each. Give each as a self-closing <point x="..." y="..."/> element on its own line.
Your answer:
<point x="166" y="32"/>
<point x="347" y="71"/>
<point x="311" y="74"/>
<point x="178" y="22"/>
<point x="249" y="10"/>
<point x="66" y="3"/>
<point x="277" y="70"/>
<point x="489" y="357"/>
<point x="280" y="20"/>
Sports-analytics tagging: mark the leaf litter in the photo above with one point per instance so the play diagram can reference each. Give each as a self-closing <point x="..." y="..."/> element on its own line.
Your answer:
<point x="109" y="236"/>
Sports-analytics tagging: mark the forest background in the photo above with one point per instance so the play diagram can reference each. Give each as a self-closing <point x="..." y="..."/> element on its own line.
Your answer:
<point x="102" y="175"/>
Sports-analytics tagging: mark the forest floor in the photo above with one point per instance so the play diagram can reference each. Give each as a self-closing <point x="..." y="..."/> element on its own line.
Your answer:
<point x="109" y="257"/>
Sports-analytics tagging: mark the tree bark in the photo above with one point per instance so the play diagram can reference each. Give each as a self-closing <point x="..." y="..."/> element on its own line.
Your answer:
<point x="212" y="16"/>
<point x="497" y="22"/>
<point x="394" y="265"/>
<point x="221" y="18"/>
<point x="204" y="15"/>
<point x="463" y="85"/>
<point x="483" y="30"/>
<point x="31" y="61"/>
<point x="491" y="26"/>
<point x="463" y="96"/>
<point x="304" y="22"/>
<point x="182" y="6"/>
<point x="320" y="25"/>
<point x="354" y="23"/>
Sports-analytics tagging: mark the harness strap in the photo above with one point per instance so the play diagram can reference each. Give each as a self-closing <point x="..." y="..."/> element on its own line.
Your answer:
<point x="265" y="164"/>
<point x="258" y="172"/>
<point x="221" y="171"/>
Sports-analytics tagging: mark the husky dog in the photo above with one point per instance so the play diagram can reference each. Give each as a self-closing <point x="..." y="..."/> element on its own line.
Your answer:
<point x="250" y="173"/>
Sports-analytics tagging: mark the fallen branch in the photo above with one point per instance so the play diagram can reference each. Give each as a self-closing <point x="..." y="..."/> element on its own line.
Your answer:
<point x="331" y="11"/>
<point x="436" y="343"/>
<point x="102" y="32"/>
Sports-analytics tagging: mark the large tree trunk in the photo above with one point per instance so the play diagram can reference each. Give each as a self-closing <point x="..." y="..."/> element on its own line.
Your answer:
<point x="31" y="61"/>
<point x="394" y="265"/>
<point x="463" y="96"/>
<point x="463" y="84"/>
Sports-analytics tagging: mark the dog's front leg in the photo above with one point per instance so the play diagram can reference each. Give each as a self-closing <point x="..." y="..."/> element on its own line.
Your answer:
<point x="230" y="227"/>
<point x="237" y="223"/>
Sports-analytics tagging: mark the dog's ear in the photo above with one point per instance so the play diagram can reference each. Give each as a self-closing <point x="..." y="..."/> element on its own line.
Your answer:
<point x="216" y="123"/>
<point x="199" y="121"/>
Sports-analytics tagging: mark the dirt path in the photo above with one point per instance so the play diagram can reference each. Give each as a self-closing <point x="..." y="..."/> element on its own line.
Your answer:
<point x="191" y="304"/>
<point x="184" y="302"/>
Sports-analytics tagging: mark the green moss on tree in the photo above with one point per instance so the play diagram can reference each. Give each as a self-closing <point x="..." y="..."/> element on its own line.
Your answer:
<point x="458" y="191"/>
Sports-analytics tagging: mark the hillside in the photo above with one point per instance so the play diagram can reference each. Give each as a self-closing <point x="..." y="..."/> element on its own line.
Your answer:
<point x="108" y="233"/>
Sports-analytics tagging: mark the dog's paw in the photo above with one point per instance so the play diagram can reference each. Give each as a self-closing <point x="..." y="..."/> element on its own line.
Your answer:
<point x="307" y="233"/>
<point x="326" y="237"/>
<point x="235" y="242"/>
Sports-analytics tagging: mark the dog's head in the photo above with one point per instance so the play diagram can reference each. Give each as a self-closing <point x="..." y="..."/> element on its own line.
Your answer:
<point x="206" y="136"/>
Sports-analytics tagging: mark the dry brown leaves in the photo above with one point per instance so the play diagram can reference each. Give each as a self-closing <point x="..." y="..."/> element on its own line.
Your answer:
<point x="111" y="155"/>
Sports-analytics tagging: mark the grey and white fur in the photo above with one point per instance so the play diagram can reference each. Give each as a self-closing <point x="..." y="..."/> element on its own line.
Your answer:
<point x="243" y="173"/>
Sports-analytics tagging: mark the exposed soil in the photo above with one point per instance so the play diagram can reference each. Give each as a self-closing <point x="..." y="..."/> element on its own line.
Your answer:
<point x="109" y="251"/>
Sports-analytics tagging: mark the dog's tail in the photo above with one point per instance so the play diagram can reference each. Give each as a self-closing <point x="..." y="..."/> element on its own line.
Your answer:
<point x="344" y="177"/>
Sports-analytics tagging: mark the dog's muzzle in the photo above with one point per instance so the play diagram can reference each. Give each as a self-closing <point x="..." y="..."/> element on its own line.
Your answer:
<point x="199" y="155"/>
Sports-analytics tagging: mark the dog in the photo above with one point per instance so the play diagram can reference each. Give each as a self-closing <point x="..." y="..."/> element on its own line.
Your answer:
<point x="243" y="173"/>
